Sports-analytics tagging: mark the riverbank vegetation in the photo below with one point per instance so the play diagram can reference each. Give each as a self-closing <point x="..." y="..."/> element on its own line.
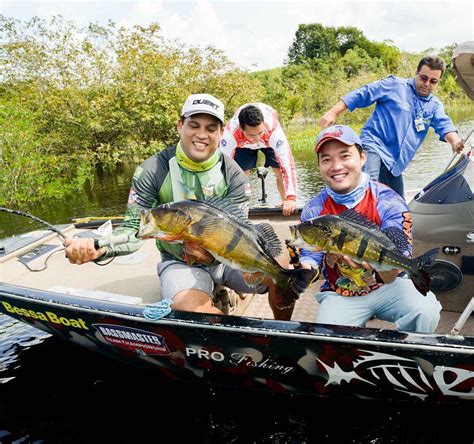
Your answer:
<point x="75" y="99"/>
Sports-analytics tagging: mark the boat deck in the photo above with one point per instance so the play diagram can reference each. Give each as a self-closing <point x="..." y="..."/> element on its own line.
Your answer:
<point x="306" y="308"/>
<point x="133" y="279"/>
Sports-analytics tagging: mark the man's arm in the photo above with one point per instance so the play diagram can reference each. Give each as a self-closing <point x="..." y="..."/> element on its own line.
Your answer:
<point x="386" y="276"/>
<point x="143" y="194"/>
<point x="457" y="144"/>
<point x="444" y="127"/>
<point x="394" y="212"/>
<point x="331" y="116"/>
<point x="361" y="97"/>
<point x="280" y="145"/>
<point x="228" y="143"/>
<point x="238" y="187"/>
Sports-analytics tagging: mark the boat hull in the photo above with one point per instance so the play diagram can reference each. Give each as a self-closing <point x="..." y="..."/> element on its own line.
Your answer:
<point x="260" y="354"/>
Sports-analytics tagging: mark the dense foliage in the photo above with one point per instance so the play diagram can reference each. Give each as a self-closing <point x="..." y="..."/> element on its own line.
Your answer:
<point x="76" y="99"/>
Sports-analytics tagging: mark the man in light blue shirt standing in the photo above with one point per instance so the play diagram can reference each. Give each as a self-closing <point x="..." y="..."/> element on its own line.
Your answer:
<point x="405" y="110"/>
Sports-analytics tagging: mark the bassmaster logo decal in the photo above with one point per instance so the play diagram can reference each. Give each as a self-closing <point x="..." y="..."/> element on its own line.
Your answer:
<point x="133" y="339"/>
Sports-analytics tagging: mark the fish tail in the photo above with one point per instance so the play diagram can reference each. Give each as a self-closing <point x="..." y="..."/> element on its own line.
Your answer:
<point x="295" y="282"/>
<point x="421" y="277"/>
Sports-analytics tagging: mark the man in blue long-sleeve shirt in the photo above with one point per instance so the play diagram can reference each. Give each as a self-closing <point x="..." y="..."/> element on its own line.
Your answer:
<point x="405" y="110"/>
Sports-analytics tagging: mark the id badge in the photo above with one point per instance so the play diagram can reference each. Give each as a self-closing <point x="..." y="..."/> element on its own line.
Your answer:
<point x="419" y="124"/>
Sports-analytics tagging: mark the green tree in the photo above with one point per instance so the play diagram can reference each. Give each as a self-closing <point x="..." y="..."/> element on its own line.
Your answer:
<point x="98" y="96"/>
<point x="30" y="169"/>
<point x="313" y="41"/>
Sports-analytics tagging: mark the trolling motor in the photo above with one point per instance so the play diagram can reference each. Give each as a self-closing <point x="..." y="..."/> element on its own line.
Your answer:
<point x="262" y="174"/>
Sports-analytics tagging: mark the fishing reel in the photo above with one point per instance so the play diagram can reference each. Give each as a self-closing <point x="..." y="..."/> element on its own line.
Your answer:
<point x="293" y="253"/>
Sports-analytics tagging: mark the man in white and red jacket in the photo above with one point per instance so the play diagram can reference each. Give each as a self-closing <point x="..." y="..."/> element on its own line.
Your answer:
<point x="254" y="127"/>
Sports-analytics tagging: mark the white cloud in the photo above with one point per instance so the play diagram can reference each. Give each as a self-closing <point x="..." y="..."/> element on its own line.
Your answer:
<point x="257" y="34"/>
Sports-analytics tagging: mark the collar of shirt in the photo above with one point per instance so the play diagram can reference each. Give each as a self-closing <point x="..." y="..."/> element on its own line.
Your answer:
<point x="412" y="83"/>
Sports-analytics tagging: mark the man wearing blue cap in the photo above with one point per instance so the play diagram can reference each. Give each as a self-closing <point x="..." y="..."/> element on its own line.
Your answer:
<point x="404" y="112"/>
<point x="353" y="293"/>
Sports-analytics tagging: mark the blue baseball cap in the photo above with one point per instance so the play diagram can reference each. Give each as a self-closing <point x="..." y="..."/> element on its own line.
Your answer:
<point x="343" y="133"/>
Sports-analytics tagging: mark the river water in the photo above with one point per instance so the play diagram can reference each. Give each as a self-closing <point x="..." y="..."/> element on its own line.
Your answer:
<point x="56" y="392"/>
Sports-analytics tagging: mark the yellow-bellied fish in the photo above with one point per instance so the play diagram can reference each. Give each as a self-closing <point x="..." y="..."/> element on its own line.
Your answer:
<point x="352" y="234"/>
<point x="220" y="228"/>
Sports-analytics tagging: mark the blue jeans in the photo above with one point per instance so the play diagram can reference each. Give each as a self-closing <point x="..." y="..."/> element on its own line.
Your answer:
<point x="399" y="302"/>
<point x="377" y="170"/>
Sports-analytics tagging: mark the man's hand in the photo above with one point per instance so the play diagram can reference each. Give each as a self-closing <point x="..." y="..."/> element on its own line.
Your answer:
<point x="81" y="250"/>
<point x="386" y="276"/>
<point x="288" y="207"/>
<point x="328" y="119"/>
<point x="458" y="146"/>
<point x="389" y="276"/>
<point x="332" y="258"/>
<point x="194" y="254"/>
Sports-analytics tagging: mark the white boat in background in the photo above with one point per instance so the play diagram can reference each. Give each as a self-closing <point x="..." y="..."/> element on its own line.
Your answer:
<point x="463" y="67"/>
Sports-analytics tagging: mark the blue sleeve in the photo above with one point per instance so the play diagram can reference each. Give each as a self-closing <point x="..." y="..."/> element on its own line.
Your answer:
<point x="311" y="210"/>
<point x="394" y="212"/>
<point x="441" y="123"/>
<point x="368" y="94"/>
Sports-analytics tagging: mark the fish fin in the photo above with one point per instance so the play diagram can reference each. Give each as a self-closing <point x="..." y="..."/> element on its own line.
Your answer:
<point x="397" y="236"/>
<point x="297" y="281"/>
<point x="168" y="238"/>
<point x="253" y="279"/>
<point x="269" y="237"/>
<point x="188" y="259"/>
<point x="421" y="278"/>
<point x="227" y="206"/>
<point x="354" y="216"/>
<point x="423" y="262"/>
<point x="203" y="227"/>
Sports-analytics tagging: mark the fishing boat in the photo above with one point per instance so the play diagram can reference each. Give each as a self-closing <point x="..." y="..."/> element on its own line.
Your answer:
<point x="103" y="308"/>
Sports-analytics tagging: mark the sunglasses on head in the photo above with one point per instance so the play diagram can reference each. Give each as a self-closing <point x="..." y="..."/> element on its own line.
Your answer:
<point x="425" y="79"/>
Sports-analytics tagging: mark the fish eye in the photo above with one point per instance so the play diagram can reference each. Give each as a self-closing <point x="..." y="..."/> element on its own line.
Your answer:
<point x="324" y="229"/>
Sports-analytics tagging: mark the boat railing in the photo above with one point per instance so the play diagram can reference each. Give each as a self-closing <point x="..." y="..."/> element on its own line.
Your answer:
<point x="463" y="318"/>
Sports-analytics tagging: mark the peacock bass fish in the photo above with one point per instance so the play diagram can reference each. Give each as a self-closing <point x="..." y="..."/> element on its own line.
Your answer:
<point x="352" y="234"/>
<point x="223" y="230"/>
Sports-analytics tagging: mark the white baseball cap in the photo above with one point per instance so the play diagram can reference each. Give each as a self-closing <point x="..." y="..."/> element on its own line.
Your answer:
<point x="203" y="104"/>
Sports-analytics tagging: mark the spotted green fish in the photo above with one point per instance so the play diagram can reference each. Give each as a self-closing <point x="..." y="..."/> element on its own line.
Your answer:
<point x="221" y="229"/>
<point x="352" y="234"/>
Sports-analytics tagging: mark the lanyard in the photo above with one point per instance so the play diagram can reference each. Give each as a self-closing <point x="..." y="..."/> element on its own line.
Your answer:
<point x="419" y="108"/>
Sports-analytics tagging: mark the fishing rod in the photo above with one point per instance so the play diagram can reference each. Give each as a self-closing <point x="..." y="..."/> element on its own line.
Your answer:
<point x="36" y="219"/>
<point x="98" y="243"/>
<point x="43" y="222"/>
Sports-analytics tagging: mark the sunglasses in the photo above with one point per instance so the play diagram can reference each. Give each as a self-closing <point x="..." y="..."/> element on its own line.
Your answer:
<point x="425" y="79"/>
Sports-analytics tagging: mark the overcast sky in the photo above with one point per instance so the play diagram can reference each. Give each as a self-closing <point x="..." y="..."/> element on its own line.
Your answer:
<point x="257" y="34"/>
